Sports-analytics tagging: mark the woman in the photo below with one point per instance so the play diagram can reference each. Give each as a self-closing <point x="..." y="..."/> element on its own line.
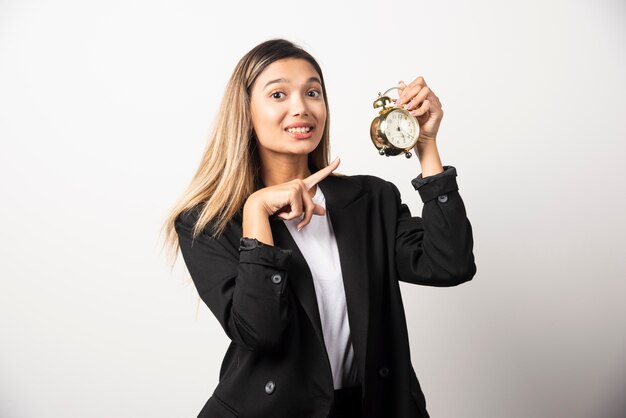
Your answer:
<point x="300" y="265"/>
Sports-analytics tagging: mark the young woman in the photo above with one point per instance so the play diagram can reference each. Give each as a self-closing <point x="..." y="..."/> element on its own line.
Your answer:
<point x="300" y="265"/>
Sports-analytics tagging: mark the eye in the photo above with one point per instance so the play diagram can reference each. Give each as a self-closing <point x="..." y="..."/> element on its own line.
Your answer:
<point x="275" y="93"/>
<point x="317" y="93"/>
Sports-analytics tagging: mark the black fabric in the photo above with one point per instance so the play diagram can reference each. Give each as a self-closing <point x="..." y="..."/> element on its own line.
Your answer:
<point x="265" y="300"/>
<point x="346" y="403"/>
<point x="433" y="186"/>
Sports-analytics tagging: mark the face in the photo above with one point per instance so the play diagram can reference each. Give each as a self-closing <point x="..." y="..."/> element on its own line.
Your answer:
<point x="288" y="95"/>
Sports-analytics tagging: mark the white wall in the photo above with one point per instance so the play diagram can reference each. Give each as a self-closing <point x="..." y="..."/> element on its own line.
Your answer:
<point x="105" y="107"/>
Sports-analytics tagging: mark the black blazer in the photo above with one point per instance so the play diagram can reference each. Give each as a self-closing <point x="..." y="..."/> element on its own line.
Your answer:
<point x="276" y="365"/>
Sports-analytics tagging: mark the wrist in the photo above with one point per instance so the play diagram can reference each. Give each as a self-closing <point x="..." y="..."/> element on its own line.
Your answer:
<point x="254" y="207"/>
<point x="426" y="142"/>
<point x="256" y="224"/>
<point x="429" y="159"/>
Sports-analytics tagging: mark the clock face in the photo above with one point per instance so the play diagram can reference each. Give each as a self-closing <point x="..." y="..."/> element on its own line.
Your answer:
<point x="401" y="129"/>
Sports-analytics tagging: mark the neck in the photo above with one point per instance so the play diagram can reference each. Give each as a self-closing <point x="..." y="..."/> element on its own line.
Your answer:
<point x="282" y="168"/>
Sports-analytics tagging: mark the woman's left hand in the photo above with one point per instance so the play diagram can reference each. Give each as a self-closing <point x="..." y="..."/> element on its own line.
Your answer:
<point x="424" y="105"/>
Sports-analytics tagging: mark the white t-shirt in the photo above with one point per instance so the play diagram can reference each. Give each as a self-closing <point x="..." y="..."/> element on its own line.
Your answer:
<point x="317" y="243"/>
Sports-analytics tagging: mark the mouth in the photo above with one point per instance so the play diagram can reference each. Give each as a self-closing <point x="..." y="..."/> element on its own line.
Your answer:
<point x="300" y="130"/>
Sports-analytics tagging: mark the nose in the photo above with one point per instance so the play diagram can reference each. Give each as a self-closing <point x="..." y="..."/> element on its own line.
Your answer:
<point x="298" y="105"/>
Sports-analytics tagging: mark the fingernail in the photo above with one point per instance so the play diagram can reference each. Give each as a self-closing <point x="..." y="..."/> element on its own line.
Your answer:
<point x="299" y="228"/>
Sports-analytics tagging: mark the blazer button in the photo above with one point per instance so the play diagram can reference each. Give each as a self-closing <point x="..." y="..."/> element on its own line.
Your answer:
<point x="269" y="387"/>
<point x="443" y="198"/>
<point x="383" y="372"/>
<point x="277" y="278"/>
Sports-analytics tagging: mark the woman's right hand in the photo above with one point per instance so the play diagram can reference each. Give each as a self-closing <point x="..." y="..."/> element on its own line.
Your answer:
<point x="292" y="199"/>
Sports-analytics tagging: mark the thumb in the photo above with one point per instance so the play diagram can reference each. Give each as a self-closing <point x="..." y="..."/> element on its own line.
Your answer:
<point x="401" y="87"/>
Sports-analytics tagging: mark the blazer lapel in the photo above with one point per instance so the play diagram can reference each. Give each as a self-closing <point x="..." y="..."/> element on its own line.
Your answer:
<point x="346" y="207"/>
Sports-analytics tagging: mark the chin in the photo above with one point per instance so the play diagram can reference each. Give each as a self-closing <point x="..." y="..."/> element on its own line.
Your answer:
<point x="303" y="147"/>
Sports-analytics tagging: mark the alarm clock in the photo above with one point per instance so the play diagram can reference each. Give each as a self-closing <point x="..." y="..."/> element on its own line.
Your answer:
<point x="394" y="130"/>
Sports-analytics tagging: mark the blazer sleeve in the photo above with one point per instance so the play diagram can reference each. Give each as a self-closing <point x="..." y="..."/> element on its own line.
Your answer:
<point x="436" y="249"/>
<point x="244" y="288"/>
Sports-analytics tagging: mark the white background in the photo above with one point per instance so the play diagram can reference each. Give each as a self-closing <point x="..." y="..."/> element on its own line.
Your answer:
<point x="105" y="107"/>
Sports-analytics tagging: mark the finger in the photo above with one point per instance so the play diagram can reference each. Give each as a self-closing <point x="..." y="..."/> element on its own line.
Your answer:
<point x="401" y="87"/>
<point x="282" y="210"/>
<point x="418" y="99"/>
<point x="309" y="206"/>
<point x="294" y="208"/>
<point x="409" y="93"/>
<point x="425" y="107"/>
<point x="419" y="81"/>
<point x="319" y="210"/>
<point x="315" y="178"/>
<point x="411" y="90"/>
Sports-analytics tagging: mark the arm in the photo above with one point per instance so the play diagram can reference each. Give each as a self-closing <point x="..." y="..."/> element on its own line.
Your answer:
<point x="246" y="291"/>
<point x="256" y="223"/>
<point x="437" y="249"/>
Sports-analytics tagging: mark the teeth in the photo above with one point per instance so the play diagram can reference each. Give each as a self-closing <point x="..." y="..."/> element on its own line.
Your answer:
<point x="298" y="130"/>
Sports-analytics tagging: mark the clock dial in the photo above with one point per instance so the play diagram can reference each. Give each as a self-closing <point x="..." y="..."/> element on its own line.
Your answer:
<point x="400" y="128"/>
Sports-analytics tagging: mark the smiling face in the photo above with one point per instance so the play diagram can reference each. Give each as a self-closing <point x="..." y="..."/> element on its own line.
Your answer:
<point x="287" y="108"/>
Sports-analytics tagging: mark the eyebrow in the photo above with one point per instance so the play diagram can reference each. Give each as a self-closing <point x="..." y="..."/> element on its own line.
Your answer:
<point x="284" y="80"/>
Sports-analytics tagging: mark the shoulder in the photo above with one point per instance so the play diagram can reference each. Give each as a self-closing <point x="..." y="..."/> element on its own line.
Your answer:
<point x="188" y="217"/>
<point x="341" y="190"/>
<point x="366" y="182"/>
<point x="189" y="224"/>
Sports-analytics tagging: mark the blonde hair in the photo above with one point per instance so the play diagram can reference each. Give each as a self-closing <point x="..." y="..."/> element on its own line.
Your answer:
<point x="230" y="165"/>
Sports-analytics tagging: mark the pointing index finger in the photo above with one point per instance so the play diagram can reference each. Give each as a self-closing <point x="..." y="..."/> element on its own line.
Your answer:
<point x="320" y="175"/>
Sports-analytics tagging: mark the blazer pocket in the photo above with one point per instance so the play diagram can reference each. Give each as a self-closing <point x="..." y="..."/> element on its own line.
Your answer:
<point x="217" y="408"/>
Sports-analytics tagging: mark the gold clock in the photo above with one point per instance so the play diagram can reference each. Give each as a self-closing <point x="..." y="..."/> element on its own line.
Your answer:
<point x="394" y="130"/>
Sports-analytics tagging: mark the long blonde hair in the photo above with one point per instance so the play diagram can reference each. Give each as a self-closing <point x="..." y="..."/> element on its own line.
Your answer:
<point x="230" y="166"/>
